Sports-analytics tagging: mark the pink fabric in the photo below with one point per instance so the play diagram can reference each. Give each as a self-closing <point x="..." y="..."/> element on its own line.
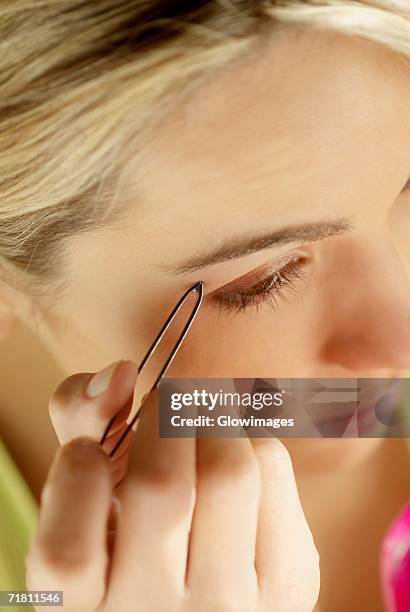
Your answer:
<point x="395" y="563"/>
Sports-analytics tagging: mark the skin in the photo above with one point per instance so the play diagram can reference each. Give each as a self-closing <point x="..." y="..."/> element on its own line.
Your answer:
<point x="315" y="128"/>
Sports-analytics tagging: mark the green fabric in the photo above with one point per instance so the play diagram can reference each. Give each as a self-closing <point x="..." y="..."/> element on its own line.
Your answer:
<point x="18" y="518"/>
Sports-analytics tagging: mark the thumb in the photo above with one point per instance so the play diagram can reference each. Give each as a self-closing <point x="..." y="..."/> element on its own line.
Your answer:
<point x="84" y="403"/>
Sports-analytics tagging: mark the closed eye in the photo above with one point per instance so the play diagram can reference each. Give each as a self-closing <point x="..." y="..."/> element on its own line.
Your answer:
<point x="269" y="289"/>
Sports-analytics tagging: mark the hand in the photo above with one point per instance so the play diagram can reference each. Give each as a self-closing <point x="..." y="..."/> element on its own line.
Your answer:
<point x="205" y="525"/>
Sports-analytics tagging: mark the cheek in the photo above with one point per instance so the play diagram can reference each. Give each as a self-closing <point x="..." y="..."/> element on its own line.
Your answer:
<point x="321" y="455"/>
<point x="263" y="343"/>
<point x="85" y="338"/>
<point x="260" y="342"/>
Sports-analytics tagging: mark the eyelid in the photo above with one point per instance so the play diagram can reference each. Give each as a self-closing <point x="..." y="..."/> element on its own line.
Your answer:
<point x="246" y="281"/>
<point x="269" y="290"/>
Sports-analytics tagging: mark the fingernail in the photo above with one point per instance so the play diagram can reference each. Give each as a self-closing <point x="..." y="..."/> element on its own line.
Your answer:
<point x="100" y="382"/>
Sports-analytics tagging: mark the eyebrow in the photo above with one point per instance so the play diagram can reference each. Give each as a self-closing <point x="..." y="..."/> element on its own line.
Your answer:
<point x="304" y="232"/>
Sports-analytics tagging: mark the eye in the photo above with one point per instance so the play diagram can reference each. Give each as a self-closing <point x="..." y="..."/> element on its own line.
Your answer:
<point x="268" y="290"/>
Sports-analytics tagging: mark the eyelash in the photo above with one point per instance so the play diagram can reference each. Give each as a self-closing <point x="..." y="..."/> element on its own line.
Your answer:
<point x="270" y="288"/>
<point x="266" y="291"/>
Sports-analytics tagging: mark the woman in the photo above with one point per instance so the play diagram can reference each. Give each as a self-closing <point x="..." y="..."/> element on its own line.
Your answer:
<point x="261" y="148"/>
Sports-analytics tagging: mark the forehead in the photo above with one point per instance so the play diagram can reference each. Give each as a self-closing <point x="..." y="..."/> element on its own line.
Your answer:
<point x="310" y="111"/>
<point x="315" y="126"/>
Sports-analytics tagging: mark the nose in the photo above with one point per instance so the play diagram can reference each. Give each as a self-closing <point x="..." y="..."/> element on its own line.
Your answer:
<point x="370" y="310"/>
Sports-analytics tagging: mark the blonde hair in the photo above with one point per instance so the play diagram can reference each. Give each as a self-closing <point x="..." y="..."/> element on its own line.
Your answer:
<point x="74" y="76"/>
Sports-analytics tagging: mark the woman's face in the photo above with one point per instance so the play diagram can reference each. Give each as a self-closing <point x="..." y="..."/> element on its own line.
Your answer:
<point x="293" y="161"/>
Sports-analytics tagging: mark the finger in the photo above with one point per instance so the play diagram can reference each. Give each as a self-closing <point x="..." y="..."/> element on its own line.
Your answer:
<point x="157" y="499"/>
<point x="287" y="561"/>
<point x="113" y="518"/>
<point x="83" y="404"/>
<point x="68" y="551"/>
<point x="223" y="536"/>
<point x="119" y="463"/>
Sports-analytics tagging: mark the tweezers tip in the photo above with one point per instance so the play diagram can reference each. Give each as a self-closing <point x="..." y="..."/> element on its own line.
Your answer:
<point x="199" y="287"/>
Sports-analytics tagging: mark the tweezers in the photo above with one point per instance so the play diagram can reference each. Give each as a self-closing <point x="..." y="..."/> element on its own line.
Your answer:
<point x="198" y="288"/>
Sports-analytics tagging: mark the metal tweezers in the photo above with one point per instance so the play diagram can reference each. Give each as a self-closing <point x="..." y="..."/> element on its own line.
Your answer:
<point x="198" y="288"/>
